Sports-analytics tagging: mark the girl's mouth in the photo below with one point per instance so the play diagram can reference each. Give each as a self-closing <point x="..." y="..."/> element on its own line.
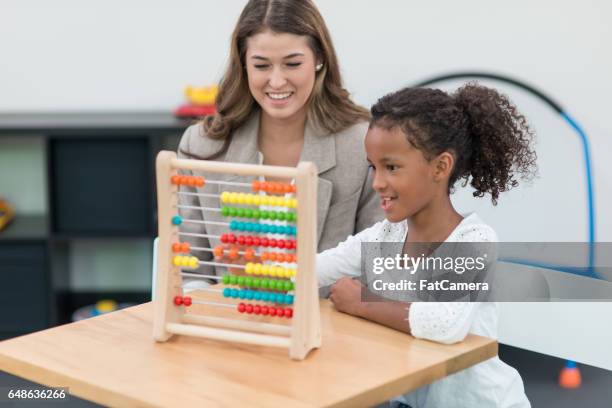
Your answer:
<point x="387" y="203"/>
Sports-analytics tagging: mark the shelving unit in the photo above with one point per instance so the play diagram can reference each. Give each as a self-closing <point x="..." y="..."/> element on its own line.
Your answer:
<point x="99" y="188"/>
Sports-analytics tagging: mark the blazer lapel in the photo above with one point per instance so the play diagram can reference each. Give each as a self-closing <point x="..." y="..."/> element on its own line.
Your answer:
<point x="243" y="148"/>
<point x="320" y="148"/>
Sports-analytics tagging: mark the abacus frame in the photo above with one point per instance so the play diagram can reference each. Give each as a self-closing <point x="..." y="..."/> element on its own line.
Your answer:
<point x="304" y="333"/>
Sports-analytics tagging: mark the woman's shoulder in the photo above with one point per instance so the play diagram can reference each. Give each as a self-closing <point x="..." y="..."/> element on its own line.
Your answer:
<point x="195" y="140"/>
<point x="350" y="148"/>
<point x="353" y="135"/>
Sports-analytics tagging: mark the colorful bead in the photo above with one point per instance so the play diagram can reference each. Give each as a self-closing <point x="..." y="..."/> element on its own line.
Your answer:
<point x="289" y="299"/>
<point x="257" y="269"/>
<point x="233" y="253"/>
<point x="175" y="179"/>
<point x="177" y="220"/>
<point x="257" y="309"/>
<point x="273" y="311"/>
<point x="242" y="294"/>
<point x="227" y="292"/>
<point x="231" y="211"/>
<point x="249" y="309"/>
<point x="218" y="251"/>
<point x="248" y="281"/>
<point x="176" y="247"/>
<point x="225" y="197"/>
<point x="183" y="180"/>
<point x="178" y="300"/>
<point x="226" y="279"/>
<point x="249" y="294"/>
<point x="235" y="293"/>
<point x="257" y="295"/>
<point x="255" y="186"/>
<point x="240" y="280"/>
<point x="241" y="307"/>
<point x="265" y="310"/>
<point x="288" y="313"/>
<point x="187" y="301"/>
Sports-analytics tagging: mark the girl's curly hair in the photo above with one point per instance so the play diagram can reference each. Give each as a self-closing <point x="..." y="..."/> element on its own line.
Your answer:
<point x="489" y="139"/>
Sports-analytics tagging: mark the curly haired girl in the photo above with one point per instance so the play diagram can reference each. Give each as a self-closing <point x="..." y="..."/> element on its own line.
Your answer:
<point x="420" y="143"/>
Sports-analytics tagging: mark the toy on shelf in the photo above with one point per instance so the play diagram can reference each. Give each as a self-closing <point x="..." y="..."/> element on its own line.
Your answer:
<point x="570" y="375"/>
<point x="6" y="213"/>
<point x="201" y="102"/>
<point x="273" y="299"/>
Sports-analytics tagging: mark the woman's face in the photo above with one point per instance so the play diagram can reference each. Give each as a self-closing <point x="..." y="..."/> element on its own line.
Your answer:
<point x="281" y="73"/>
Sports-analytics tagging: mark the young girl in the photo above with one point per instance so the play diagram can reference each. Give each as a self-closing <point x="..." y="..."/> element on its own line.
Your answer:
<point x="420" y="143"/>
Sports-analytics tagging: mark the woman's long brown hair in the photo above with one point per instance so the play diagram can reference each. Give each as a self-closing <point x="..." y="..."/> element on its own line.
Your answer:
<point x="329" y="106"/>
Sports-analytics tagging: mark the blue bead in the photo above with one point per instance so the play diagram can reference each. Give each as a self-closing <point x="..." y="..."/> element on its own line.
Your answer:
<point x="265" y="228"/>
<point x="273" y="229"/>
<point x="257" y="295"/>
<point x="272" y="297"/>
<point x="227" y="292"/>
<point x="242" y="294"/>
<point x="249" y="294"/>
<point x="233" y="225"/>
<point x="282" y="230"/>
<point x="265" y="296"/>
<point x="248" y="227"/>
<point x="177" y="220"/>
<point x="234" y="293"/>
<point x="281" y="298"/>
<point x="240" y="226"/>
<point x="256" y="227"/>
<point x="289" y="299"/>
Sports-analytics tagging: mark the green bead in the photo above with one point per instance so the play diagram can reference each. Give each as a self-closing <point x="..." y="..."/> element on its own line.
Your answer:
<point x="233" y="280"/>
<point x="282" y="216"/>
<point x="240" y="212"/>
<point x="265" y="283"/>
<point x="287" y="285"/>
<point x="248" y="281"/>
<point x="256" y="213"/>
<point x="256" y="282"/>
<point x="273" y="215"/>
<point x="231" y="211"/>
<point x="248" y="213"/>
<point x="240" y="280"/>
<point x="224" y="211"/>
<point x="264" y="215"/>
<point x="226" y="279"/>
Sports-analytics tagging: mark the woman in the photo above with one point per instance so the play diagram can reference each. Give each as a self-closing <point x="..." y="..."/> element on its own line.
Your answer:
<point x="281" y="101"/>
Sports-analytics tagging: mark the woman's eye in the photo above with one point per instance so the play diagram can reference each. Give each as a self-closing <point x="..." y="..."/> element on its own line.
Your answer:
<point x="261" y="66"/>
<point x="294" y="64"/>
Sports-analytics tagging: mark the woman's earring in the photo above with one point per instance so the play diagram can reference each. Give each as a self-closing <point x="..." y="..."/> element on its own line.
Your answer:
<point x="318" y="67"/>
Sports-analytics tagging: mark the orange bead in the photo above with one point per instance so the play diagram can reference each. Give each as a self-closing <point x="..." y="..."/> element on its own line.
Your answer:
<point x="175" y="179"/>
<point x="293" y="188"/>
<point x="185" y="247"/>
<point x="183" y="180"/>
<point x="218" y="251"/>
<point x="255" y="186"/>
<point x="287" y="188"/>
<point x="264" y="256"/>
<point x="280" y="257"/>
<point x="279" y="188"/>
<point x="263" y="186"/>
<point x="272" y="256"/>
<point x="233" y="253"/>
<point x="200" y="181"/>
<point x="249" y="254"/>
<point x="176" y="247"/>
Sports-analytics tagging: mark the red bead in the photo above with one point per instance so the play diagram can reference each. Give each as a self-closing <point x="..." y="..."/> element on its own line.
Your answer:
<point x="241" y="307"/>
<point x="248" y="240"/>
<point x="288" y="312"/>
<point x="187" y="301"/>
<point x="265" y="310"/>
<point x="249" y="309"/>
<point x="272" y="311"/>
<point x="257" y="309"/>
<point x="292" y="244"/>
<point x="178" y="300"/>
<point x="273" y="242"/>
<point x="231" y="238"/>
<point x="265" y="242"/>
<point x="280" y="243"/>
<point x="256" y="241"/>
<point x="224" y="238"/>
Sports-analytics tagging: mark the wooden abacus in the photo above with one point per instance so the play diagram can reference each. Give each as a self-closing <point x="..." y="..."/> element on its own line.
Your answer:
<point x="304" y="332"/>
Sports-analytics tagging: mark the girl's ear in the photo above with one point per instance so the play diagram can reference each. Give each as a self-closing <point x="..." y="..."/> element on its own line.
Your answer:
<point x="444" y="164"/>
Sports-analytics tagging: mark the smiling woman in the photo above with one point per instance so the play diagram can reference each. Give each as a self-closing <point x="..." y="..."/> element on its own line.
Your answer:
<point x="281" y="101"/>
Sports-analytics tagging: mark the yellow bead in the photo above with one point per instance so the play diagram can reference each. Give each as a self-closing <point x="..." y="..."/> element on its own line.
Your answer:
<point x="293" y="273"/>
<point x="271" y="272"/>
<point x="225" y="196"/>
<point x="265" y="270"/>
<point x="293" y="203"/>
<point x="248" y="268"/>
<point x="257" y="269"/>
<point x="194" y="263"/>
<point x="242" y="198"/>
<point x="285" y="202"/>
<point x="184" y="261"/>
<point x="233" y="198"/>
<point x="263" y="200"/>
<point x="176" y="261"/>
<point x="256" y="200"/>
<point x="249" y="199"/>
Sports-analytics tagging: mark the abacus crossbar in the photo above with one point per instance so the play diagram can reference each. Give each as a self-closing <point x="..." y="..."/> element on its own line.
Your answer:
<point x="301" y="331"/>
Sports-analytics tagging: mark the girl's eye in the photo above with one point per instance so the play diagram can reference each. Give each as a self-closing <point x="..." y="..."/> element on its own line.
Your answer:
<point x="391" y="167"/>
<point x="371" y="166"/>
<point x="294" y="64"/>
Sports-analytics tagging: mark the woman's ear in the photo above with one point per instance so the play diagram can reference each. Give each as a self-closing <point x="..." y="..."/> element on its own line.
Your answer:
<point x="444" y="164"/>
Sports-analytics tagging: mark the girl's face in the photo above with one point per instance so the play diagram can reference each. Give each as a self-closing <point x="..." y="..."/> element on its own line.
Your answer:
<point x="281" y="73"/>
<point x="403" y="178"/>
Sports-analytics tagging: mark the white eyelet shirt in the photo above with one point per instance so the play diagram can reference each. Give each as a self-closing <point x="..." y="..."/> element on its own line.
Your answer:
<point x="491" y="383"/>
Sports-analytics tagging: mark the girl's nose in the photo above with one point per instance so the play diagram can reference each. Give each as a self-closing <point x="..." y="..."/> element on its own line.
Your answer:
<point x="277" y="79"/>
<point x="379" y="183"/>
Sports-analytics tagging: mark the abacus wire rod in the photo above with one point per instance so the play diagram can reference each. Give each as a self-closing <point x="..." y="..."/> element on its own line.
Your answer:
<point x="200" y="276"/>
<point x="212" y="250"/>
<point x="202" y="302"/>
<point x="195" y="207"/>
<point x="193" y="234"/>
<point x="221" y="264"/>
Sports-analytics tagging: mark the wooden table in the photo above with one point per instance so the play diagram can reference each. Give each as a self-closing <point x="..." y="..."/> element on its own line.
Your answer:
<point x="113" y="360"/>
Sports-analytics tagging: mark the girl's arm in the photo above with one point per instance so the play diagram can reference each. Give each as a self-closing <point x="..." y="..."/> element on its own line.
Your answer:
<point x="345" y="259"/>
<point x="346" y="296"/>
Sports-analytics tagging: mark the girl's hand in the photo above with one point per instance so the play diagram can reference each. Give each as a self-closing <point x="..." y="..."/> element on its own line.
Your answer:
<point x="346" y="296"/>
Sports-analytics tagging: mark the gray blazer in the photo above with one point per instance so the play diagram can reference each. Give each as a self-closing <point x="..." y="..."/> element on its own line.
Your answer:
<point x="346" y="202"/>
